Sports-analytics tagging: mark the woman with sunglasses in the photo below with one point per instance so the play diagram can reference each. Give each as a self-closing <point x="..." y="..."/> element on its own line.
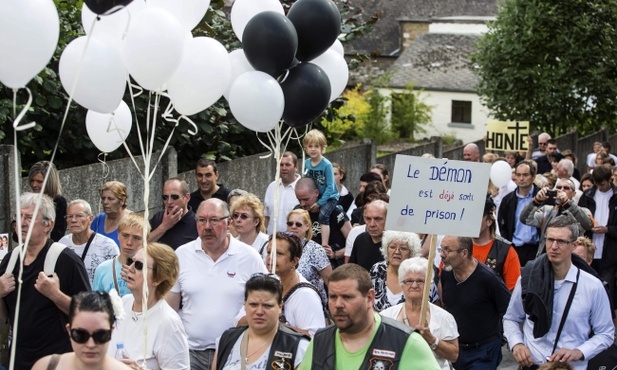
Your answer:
<point x="314" y="264"/>
<point x="91" y="321"/>
<point x="247" y="215"/>
<point x="302" y="306"/>
<point x="264" y="341"/>
<point x="441" y="333"/>
<point x="167" y="346"/>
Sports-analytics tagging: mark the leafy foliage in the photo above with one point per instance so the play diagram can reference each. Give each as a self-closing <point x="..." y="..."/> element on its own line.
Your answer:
<point x="551" y="62"/>
<point x="409" y="112"/>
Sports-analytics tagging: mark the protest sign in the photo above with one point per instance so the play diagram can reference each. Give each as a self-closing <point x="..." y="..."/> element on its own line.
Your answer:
<point x="507" y="135"/>
<point x="437" y="196"/>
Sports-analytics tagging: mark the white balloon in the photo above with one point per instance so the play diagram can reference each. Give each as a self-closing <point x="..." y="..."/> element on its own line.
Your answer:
<point x="204" y="74"/>
<point x="29" y="32"/>
<point x="256" y="100"/>
<point x="100" y="74"/>
<point x="108" y="131"/>
<point x="153" y="47"/>
<point x="336" y="69"/>
<point x="338" y="47"/>
<point x="188" y="12"/>
<point x="110" y="27"/>
<point x="501" y="173"/>
<point x="243" y="10"/>
<point x="239" y="65"/>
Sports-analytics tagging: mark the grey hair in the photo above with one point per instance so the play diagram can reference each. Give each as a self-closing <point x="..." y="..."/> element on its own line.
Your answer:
<point x="82" y="203"/>
<point x="415" y="265"/>
<point x="569" y="181"/>
<point x="567" y="165"/>
<point x="544" y="135"/>
<point x="565" y="220"/>
<point x="237" y="193"/>
<point x="47" y="209"/>
<point x="412" y="240"/>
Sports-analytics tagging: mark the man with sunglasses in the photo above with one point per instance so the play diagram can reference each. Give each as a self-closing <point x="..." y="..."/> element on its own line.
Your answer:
<point x="44" y="301"/>
<point x="213" y="271"/>
<point x="175" y="224"/>
<point x="539" y="212"/>
<point x="538" y="152"/>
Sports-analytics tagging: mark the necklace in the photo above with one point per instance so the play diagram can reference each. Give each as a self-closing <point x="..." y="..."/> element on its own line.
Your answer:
<point x="248" y="355"/>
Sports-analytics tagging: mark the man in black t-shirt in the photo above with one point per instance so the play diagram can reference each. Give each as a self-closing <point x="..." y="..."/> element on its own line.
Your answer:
<point x="307" y="194"/>
<point x="45" y="299"/>
<point x="367" y="247"/>
<point x="207" y="176"/>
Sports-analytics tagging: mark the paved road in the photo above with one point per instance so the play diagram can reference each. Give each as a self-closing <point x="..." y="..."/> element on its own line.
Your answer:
<point x="508" y="362"/>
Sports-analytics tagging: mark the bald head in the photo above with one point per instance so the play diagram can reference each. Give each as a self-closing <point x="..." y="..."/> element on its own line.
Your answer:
<point x="471" y="153"/>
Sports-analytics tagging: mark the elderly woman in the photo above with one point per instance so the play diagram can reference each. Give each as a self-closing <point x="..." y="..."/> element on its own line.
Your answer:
<point x="314" y="264"/>
<point x="167" y="345"/>
<point x="247" y="215"/>
<point x="441" y="333"/>
<point x="396" y="246"/>
<point x="114" y="201"/>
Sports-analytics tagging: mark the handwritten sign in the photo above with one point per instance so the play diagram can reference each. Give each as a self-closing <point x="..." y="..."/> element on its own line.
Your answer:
<point x="507" y="135"/>
<point x="437" y="196"/>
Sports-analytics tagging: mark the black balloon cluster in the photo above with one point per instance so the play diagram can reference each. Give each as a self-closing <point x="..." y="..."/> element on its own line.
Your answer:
<point x="282" y="46"/>
<point x="105" y="6"/>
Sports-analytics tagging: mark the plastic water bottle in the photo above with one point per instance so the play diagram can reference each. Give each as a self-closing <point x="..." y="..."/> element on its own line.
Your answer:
<point x="121" y="352"/>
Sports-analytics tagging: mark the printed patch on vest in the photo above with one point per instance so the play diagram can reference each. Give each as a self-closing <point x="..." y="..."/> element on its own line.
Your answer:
<point x="283" y="354"/>
<point x="384" y="353"/>
<point x="380" y="364"/>
<point x="281" y="364"/>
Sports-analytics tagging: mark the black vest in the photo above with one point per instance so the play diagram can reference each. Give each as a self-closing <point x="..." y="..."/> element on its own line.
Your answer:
<point x="496" y="257"/>
<point x="282" y="351"/>
<point x="387" y="346"/>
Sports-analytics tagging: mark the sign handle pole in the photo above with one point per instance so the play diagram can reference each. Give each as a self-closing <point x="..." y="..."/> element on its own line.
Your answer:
<point x="428" y="280"/>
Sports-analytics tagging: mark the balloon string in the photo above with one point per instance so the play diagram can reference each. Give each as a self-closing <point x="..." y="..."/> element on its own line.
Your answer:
<point x="133" y="96"/>
<point x="23" y="112"/>
<point x="104" y="164"/>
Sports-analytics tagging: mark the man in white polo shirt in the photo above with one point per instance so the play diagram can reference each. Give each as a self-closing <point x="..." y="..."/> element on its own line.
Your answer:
<point x="213" y="271"/>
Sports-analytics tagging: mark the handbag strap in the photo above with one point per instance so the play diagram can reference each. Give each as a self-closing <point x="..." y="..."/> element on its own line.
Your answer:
<point x="83" y="255"/>
<point x="113" y="270"/>
<point x="566" y="310"/>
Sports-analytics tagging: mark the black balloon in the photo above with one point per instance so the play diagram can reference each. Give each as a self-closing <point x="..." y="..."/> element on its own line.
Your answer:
<point x="102" y="6"/>
<point x="270" y="42"/>
<point x="318" y="24"/>
<point x="307" y="94"/>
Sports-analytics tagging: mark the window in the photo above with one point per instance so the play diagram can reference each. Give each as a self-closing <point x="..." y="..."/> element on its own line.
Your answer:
<point x="461" y="111"/>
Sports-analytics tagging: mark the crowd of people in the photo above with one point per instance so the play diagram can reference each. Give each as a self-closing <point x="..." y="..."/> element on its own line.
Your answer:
<point x="224" y="279"/>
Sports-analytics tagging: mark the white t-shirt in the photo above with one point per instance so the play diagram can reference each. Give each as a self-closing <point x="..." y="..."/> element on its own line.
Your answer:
<point x="101" y="249"/>
<point x="287" y="202"/>
<point x="351" y="237"/>
<point x="213" y="291"/>
<point x="259" y="241"/>
<point x="167" y="346"/>
<point x="233" y="361"/>
<point x="304" y="309"/>
<point x="601" y="217"/>
<point x="442" y="325"/>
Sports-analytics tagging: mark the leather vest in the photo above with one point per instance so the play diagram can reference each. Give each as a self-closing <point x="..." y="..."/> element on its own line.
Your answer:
<point x="387" y="347"/>
<point x="496" y="257"/>
<point x="282" y="352"/>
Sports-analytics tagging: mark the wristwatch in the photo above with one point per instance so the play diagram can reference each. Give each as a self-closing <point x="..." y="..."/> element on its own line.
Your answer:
<point x="434" y="345"/>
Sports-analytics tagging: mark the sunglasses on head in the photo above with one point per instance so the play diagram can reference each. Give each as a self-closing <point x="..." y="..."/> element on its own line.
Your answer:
<point x="291" y="223"/>
<point x="100" y="336"/>
<point x="173" y="196"/>
<point x="138" y="264"/>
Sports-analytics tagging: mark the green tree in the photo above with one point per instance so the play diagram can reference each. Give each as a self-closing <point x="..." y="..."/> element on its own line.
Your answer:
<point x="409" y="112"/>
<point x="552" y="62"/>
<point x="376" y="124"/>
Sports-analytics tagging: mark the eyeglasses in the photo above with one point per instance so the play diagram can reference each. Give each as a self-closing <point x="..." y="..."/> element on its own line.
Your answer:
<point x="559" y="242"/>
<point x="213" y="221"/>
<point x="291" y="223"/>
<point x="411" y="282"/>
<point x="393" y="248"/>
<point x="78" y="216"/>
<point x="540" y="143"/>
<point x="563" y="187"/>
<point x="242" y="216"/>
<point x="139" y="266"/>
<point x="100" y="336"/>
<point x="165" y="197"/>
<point x="447" y="251"/>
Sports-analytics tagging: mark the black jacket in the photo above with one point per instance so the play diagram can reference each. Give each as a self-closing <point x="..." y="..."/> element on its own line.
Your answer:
<point x="507" y="213"/>
<point x="609" y="252"/>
